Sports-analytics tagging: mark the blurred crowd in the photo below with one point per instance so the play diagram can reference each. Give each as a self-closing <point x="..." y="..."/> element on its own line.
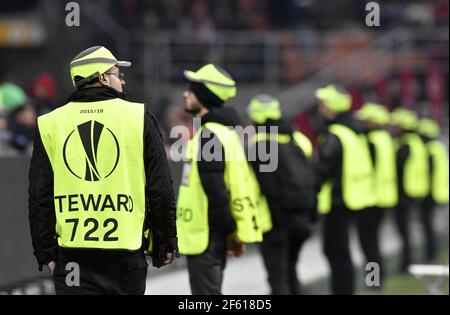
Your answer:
<point x="19" y="108"/>
<point x="20" y="105"/>
<point x="298" y="54"/>
<point x="205" y="16"/>
<point x="194" y="17"/>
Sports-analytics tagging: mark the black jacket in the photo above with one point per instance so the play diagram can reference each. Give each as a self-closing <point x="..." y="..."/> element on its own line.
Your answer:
<point x="160" y="205"/>
<point x="212" y="173"/>
<point x="276" y="186"/>
<point x="328" y="162"/>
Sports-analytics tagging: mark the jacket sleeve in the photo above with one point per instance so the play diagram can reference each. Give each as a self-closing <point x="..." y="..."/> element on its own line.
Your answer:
<point x="269" y="182"/>
<point x="41" y="206"/>
<point x="329" y="159"/>
<point x="212" y="178"/>
<point x="161" y="212"/>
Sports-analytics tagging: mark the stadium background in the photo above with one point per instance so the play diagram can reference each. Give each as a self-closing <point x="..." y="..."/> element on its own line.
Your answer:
<point x="287" y="48"/>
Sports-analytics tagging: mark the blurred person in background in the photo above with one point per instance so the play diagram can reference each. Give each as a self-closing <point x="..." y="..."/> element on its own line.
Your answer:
<point x="3" y="126"/>
<point x="20" y="116"/>
<point x="43" y="92"/>
<point x="198" y="24"/>
<point x="100" y="189"/>
<point x="382" y="150"/>
<point x="413" y="176"/>
<point x="439" y="184"/>
<point x="345" y="171"/>
<point x="216" y="211"/>
<point x="173" y="115"/>
<point x="3" y="123"/>
<point x="289" y="192"/>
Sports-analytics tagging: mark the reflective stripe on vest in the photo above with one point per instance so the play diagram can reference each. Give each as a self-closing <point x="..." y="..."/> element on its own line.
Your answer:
<point x="96" y="153"/>
<point x="416" y="177"/>
<point x="357" y="173"/>
<point x="440" y="172"/>
<point x="385" y="168"/>
<point x="192" y="205"/>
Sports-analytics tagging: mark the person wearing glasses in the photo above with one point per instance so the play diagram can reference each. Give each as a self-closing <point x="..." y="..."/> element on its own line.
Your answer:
<point x="100" y="189"/>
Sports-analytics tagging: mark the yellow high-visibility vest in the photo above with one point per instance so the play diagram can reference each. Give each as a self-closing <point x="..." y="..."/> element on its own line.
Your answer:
<point x="96" y="153"/>
<point x="192" y="205"/>
<point x="440" y="172"/>
<point x="416" y="173"/>
<point x="357" y="173"/>
<point x="385" y="168"/>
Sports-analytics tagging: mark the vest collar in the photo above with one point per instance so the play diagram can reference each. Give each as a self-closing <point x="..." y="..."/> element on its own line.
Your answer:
<point x="348" y="120"/>
<point x="95" y="94"/>
<point x="283" y="126"/>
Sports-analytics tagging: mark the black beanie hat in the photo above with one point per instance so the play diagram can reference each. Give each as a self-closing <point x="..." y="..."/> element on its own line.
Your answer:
<point x="205" y="96"/>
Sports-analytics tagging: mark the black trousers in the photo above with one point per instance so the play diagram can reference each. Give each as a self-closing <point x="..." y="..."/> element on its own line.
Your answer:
<point x="280" y="251"/>
<point x="206" y="270"/>
<point x="336" y="246"/>
<point x="100" y="274"/>
<point x="368" y="223"/>
<point x="427" y="209"/>
<point x="402" y="216"/>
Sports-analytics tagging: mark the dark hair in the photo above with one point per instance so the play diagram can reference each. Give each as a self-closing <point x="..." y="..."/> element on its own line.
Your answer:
<point x="78" y="78"/>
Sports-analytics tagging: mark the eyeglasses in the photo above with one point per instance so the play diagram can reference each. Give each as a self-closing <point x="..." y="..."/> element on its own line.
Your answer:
<point x="120" y="75"/>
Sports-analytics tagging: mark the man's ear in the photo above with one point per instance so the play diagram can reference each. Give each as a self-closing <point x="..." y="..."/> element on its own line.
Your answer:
<point x="103" y="79"/>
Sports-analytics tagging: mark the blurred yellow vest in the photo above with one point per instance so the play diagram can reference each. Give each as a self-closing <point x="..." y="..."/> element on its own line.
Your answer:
<point x="385" y="168"/>
<point x="357" y="173"/>
<point x="440" y="172"/>
<point x="416" y="173"/>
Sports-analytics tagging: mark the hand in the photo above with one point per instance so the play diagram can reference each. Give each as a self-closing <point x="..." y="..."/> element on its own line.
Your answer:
<point x="235" y="248"/>
<point x="162" y="259"/>
<point x="51" y="266"/>
<point x="168" y="259"/>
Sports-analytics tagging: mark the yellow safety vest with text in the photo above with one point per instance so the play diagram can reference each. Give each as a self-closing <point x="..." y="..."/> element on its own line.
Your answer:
<point x="192" y="205"/>
<point x="96" y="153"/>
<point x="357" y="173"/>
